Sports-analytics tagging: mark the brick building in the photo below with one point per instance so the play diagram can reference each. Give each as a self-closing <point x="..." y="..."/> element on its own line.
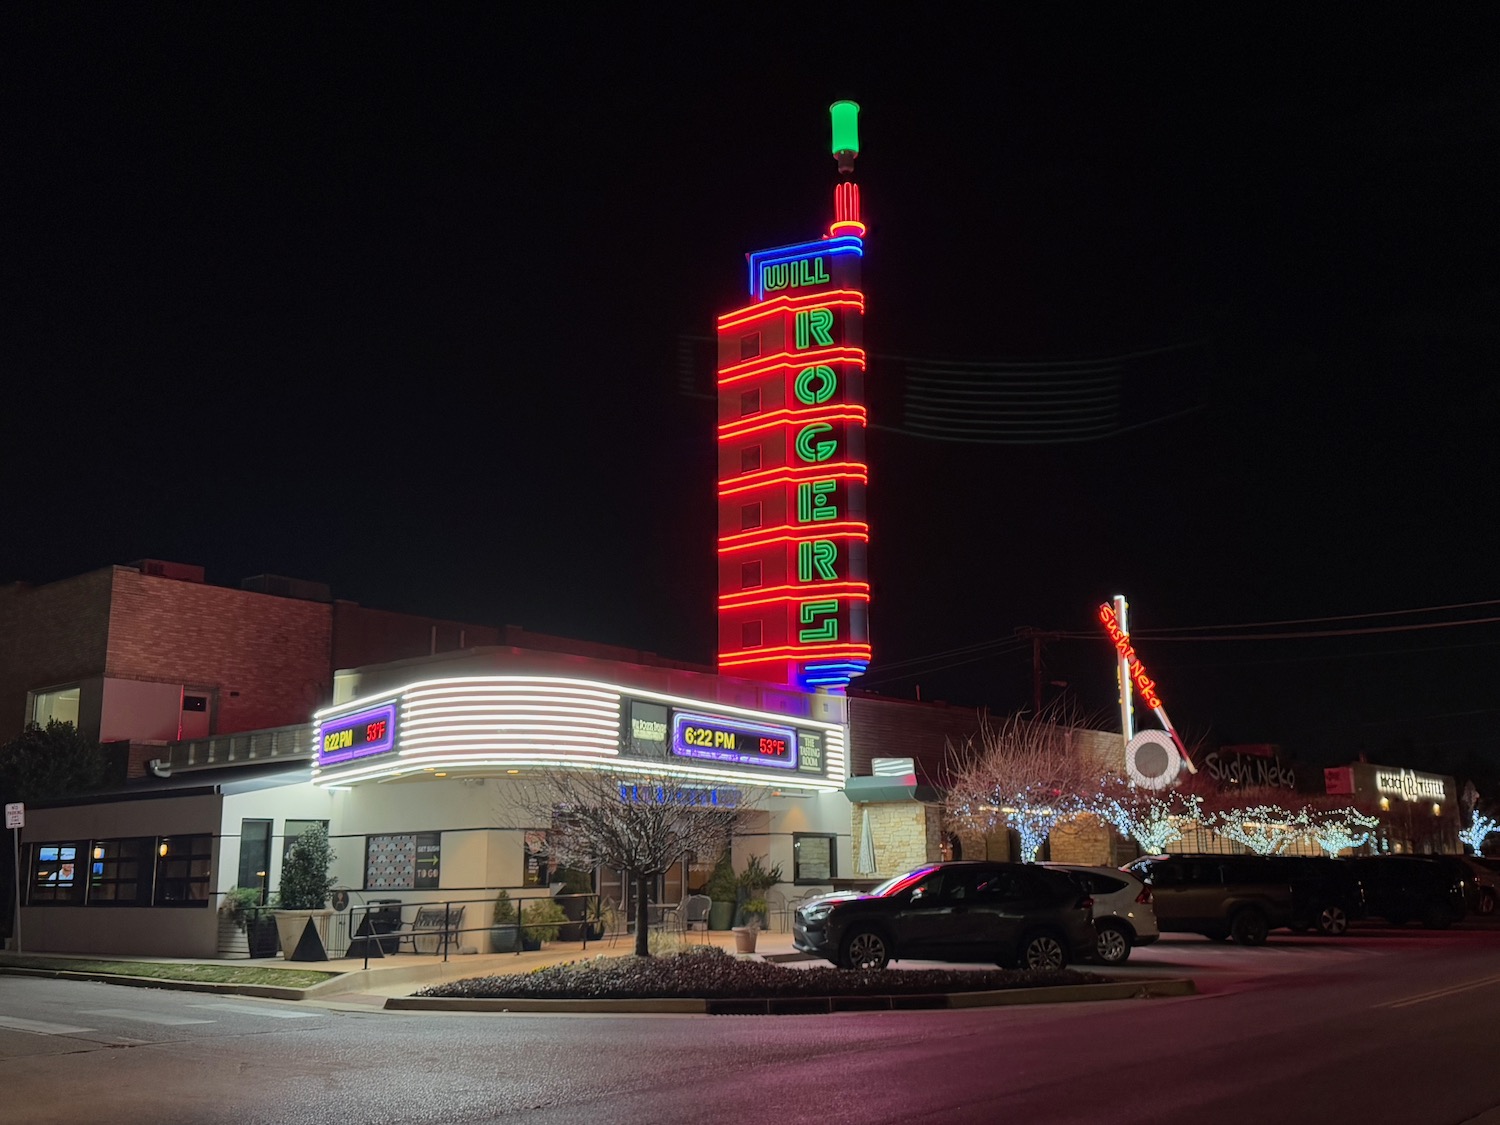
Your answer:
<point x="141" y="655"/>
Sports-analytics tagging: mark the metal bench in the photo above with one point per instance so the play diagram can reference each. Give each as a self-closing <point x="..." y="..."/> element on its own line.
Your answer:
<point x="441" y="924"/>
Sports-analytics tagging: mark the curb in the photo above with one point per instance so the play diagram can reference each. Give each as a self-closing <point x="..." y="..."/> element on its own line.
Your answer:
<point x="264" y="991"/>
<point x="812" y="1005"/>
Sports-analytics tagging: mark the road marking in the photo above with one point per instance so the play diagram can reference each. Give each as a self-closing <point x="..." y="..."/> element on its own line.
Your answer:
<point x="1441" y="993"/>
<point x="274" y="1013"/>
<point x="144" y="1017"/>
<point x="41" y="1028"/>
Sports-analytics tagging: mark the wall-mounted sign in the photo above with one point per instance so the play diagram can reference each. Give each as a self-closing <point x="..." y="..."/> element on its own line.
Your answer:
<point x="408" y="861"/>
<point x="647" y="733"/>
<point x="733" y="740"/>
<point x="1152" y="760"/>
<point x="1245" y="769"/>
<point x="429" y="861"/>
<point x="357" y="736"/>
<point x="1409" y="785"/>
<point x="809" y="751"/>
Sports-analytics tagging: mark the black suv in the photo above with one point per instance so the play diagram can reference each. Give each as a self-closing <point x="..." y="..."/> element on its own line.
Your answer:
<point x="1399" y="888"/>
<point x="1219" y="896"/>
<point x="1011" y="914"/>
<point x="1326" y="893"/>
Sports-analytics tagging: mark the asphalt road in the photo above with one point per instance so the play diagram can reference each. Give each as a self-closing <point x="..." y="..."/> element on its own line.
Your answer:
<point x="1383" y="1026"/>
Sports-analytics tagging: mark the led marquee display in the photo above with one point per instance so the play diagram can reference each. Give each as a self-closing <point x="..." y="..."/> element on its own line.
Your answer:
<point x="793" y="588"/>
<point x="357" y="736"/>
<point x="743" y="743"/>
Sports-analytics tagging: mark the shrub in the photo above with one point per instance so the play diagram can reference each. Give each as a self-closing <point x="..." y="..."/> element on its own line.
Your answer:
<point x="756" y="878"/>
<point x="238" y="904"/>
<point x="722" y="885"/>
<point x="305" y="882"/>
<point x="505" y="910"/>
<point x="542" y="919"/>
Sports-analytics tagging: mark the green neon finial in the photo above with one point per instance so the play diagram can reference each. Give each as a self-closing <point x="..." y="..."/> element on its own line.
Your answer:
<point x="845" y="131"/>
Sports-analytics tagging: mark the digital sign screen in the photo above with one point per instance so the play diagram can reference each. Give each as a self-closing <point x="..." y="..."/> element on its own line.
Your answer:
<point x="357" y="736"/>
<point x="734" y="741"/>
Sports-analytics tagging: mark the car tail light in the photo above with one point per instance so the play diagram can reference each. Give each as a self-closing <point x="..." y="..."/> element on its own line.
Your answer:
<point x="1087" y="902"/>
<point x="1144" y="898"/>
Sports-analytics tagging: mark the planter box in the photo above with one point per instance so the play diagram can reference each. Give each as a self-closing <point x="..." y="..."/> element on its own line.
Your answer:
<point x="290" y="926"/>
<point x="721" y="915"/>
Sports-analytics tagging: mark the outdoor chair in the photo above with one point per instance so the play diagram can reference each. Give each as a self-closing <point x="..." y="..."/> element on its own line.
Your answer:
<point x="695" y="914"/>
<point x="777" y="913"/>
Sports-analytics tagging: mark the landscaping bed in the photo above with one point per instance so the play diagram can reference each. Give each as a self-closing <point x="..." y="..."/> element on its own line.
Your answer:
<point x="710" y="973"/>
<point x="172" y="970"/>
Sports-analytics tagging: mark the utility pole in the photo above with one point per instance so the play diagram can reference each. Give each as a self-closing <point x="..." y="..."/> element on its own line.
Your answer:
<point x="1036" y="636"/>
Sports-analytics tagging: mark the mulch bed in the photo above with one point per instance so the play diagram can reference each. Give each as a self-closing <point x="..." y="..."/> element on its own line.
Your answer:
<point x="713" y="974"/>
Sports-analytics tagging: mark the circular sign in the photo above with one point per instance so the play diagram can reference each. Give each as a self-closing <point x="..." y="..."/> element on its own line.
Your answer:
<point x="1152" y="759"/>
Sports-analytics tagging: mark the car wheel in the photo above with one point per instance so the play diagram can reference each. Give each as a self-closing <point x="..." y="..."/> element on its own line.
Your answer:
<point x="1043" y="951"/>
<point x="1487" y="902"/>
<point x="1113" y="944"/>
<point x="1248" y="927"/>
<point x="1333" y="920"/>
<point x="865" y="949"/>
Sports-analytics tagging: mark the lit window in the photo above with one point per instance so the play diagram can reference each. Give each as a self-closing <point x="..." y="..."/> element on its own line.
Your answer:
<point x="183" y="865"/>
<point x="120" y="872"/>
<point x="57" y="874"/>
<point x="59" y="705"/>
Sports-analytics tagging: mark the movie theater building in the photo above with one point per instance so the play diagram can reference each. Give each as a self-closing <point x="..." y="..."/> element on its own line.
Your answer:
<point x="425" y="772"/>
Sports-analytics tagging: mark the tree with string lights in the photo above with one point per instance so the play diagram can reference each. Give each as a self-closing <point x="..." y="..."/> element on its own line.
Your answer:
<point x="1479" y="829"/>
<point x="1025" y="774"/>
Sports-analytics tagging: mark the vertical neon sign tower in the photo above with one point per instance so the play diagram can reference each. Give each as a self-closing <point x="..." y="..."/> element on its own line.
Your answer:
<point x="793" y="589"/>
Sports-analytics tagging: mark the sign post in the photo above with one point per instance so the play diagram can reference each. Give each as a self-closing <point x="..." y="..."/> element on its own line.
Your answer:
<point x="15" y="820"/>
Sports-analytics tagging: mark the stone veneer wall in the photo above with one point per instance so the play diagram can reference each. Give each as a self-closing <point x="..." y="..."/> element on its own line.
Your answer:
<point x="907" y="834"/>
<point x="1082" y="839"/>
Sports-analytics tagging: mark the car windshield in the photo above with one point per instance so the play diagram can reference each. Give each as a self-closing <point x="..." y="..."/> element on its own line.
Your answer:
<point x="901" y="882"/>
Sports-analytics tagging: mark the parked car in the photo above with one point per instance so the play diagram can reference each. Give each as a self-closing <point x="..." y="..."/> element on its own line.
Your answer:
<point x="1218" y="896"/>
<point x="1011" y="914"/>
<point x="1483" y="883"/>
<point x="1123" y="914"/>
<point x="1398" y="888"/>
<point x="1326" y="893"/>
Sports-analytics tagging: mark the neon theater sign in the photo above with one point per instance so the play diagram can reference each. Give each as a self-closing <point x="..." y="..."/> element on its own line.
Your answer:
<point x="1153" y="758"/>
<point x="793" y="587"/>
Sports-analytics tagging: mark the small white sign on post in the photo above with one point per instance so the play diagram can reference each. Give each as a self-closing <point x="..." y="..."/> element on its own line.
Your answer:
<point x="15" y="815"/>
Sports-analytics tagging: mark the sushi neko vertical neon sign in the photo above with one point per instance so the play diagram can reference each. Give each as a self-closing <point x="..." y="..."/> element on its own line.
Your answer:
<point x="793" y="588"/>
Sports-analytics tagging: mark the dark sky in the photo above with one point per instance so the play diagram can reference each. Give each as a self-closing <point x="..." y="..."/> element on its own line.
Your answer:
<point x="393" y="298"/>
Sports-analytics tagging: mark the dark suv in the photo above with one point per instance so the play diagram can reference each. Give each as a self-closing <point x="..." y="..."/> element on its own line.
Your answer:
<point x="1219" y="896"/>
<point x="1399" y="888"/>
<point x="1326" y="893"/>
<point x="1011" y="914"/>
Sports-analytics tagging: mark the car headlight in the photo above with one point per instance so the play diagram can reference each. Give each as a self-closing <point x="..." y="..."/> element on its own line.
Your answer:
<point x="817" y="913"/>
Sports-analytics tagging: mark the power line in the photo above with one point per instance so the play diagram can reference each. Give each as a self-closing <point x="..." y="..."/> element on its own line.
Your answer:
<point x="1317" y="620"/>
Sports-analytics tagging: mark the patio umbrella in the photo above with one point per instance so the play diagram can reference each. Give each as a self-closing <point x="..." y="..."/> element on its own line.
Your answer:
<point x="866" y="864"/>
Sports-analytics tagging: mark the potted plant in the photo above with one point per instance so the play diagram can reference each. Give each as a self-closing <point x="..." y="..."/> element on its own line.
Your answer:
<point x="746" y="935"/>
<point x="753" y="912"/>
<point x="541" y="920"/>
<point x="754" y="882"/>
<point x="234" y="919"/>
<point x="722" y="890"/>
<point x="304" y="890"/>
<point x="575" y="887"/>
<point x="504" y="930"/>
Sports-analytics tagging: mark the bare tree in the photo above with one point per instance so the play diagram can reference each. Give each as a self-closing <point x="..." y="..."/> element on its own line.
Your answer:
<point x="641" y="824"/>
<point x="1025" y="773"/>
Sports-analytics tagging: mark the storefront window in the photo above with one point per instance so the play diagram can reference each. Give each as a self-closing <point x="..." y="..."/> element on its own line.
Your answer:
<point x="183" y="864"/>
<point x="56" y="874"/>
<point x="120" y="872"/>
<point x="538" y="860"/>
<point x="814" y="857"/>
<point x="255" y="854"/>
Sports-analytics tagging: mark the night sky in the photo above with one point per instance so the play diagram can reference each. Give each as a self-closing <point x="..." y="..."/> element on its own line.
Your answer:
<point x="406" y="299"/>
